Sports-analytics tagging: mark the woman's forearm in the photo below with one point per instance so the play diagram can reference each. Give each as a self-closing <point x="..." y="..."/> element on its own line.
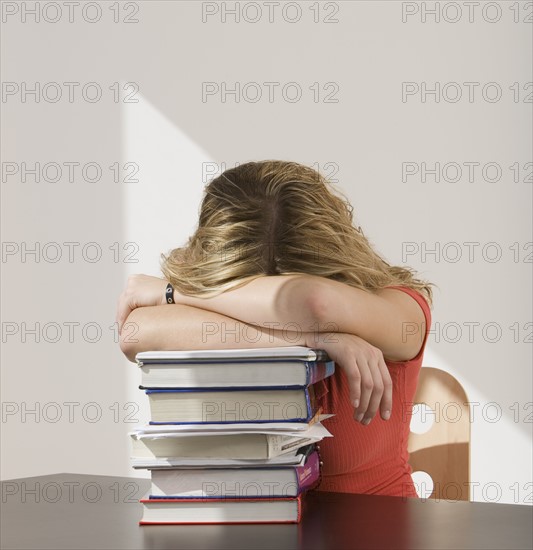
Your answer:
<point x="175" y="327"/>
<point x="291" y="301"/>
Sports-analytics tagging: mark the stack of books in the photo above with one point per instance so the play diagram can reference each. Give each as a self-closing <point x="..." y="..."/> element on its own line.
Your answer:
<point x="232" y="434"/>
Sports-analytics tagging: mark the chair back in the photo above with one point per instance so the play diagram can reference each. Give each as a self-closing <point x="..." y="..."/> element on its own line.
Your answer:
<point x="443" y="451"/>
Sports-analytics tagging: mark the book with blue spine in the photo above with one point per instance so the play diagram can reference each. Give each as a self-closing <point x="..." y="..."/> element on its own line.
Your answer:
<point x="220" y="405"/>
<point x="289" y="367"/>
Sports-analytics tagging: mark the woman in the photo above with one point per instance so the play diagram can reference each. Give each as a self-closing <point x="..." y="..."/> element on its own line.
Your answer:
<point x="276" y="261"/>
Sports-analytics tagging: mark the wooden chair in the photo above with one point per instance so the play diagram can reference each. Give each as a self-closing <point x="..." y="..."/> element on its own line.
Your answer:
<point x="443" y="451"/>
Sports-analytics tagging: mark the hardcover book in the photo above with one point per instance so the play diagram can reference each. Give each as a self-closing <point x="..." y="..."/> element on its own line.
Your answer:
<point x="265" y="482"/>
<point x="285" y="367"/>
<point x="173" y="406"/>
<point x="227" y="511"/>
<point x="223" y="445"/>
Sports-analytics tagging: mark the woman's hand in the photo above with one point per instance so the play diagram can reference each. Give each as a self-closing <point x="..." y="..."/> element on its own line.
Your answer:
<point x="368" y="377"/>
<point x="140" y="291"/>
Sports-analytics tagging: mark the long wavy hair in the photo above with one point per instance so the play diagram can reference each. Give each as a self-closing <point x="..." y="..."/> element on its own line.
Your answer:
<point x="278" y="218"/>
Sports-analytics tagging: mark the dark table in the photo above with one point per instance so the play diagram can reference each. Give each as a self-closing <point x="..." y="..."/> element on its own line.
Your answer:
<point x="84" y="511"/>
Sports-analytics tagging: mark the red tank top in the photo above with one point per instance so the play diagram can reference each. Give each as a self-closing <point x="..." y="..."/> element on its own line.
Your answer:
<point x="371" y="459"/>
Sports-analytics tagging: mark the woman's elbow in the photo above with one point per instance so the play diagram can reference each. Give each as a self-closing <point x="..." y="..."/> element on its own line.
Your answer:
<point x="128" y="349"/>
<point x="129" y="339"/>
<point x="317" y="304"/>
<point x="310" y="296"/>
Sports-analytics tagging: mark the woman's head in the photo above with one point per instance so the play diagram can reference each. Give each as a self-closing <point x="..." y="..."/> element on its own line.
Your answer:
<point x="275" y="218"/>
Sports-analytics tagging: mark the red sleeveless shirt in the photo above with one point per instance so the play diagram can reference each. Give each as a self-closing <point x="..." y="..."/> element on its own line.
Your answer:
<point x="371" y="459"/>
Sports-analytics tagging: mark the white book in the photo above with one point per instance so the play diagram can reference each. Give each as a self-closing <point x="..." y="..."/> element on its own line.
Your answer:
<point x="201" y="463"/>
<point x="280" y="367"/>
<point x="314" y="431"/>
<point x="263" y="482"/>
<point x="264" y="427"/>
<point x="175" y="444"/>
<point x="283" y="352"/>
<point x="281" y="510"/>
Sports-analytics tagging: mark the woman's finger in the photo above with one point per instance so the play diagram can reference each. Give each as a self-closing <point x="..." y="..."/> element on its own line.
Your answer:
<point x="367" y="386"/>
<point x="377" y="391"/>
<point x="354" y="381"/>
<point x="386" y="400"/>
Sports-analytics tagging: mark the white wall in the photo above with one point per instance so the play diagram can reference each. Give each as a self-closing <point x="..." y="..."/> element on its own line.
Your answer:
<point x="170" y="133"/>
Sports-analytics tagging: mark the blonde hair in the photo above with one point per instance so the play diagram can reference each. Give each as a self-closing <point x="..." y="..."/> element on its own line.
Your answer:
<point x="278" y="218"/>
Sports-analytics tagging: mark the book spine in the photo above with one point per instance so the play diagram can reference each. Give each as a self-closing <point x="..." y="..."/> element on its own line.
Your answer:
<point x="299" y="513"/>
<point x="307" y="476"/>
<point x="318" y="370"/>
<point x="312" y="403"/>
<point x="219" y="389"/>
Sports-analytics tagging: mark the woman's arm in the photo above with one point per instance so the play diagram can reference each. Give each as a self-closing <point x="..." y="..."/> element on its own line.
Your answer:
<point x="175" y="327"/>
<point x="388" y="319"/>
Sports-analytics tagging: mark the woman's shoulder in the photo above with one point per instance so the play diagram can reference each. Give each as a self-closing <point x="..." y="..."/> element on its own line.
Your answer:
<point x="415" y="294"/>
<point x="424" y="305"/>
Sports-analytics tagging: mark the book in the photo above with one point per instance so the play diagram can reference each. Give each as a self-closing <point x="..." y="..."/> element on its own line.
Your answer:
<point x="281" y="352"/>
<point x="227" y="511"/>
<point x="263" y="482"/>
<point x="174" y="406"/>
<point x="283" y="367"/>
<point x="176" y="444"/>
<point x="234" y="427"/>
<point x="201" y="463"/>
